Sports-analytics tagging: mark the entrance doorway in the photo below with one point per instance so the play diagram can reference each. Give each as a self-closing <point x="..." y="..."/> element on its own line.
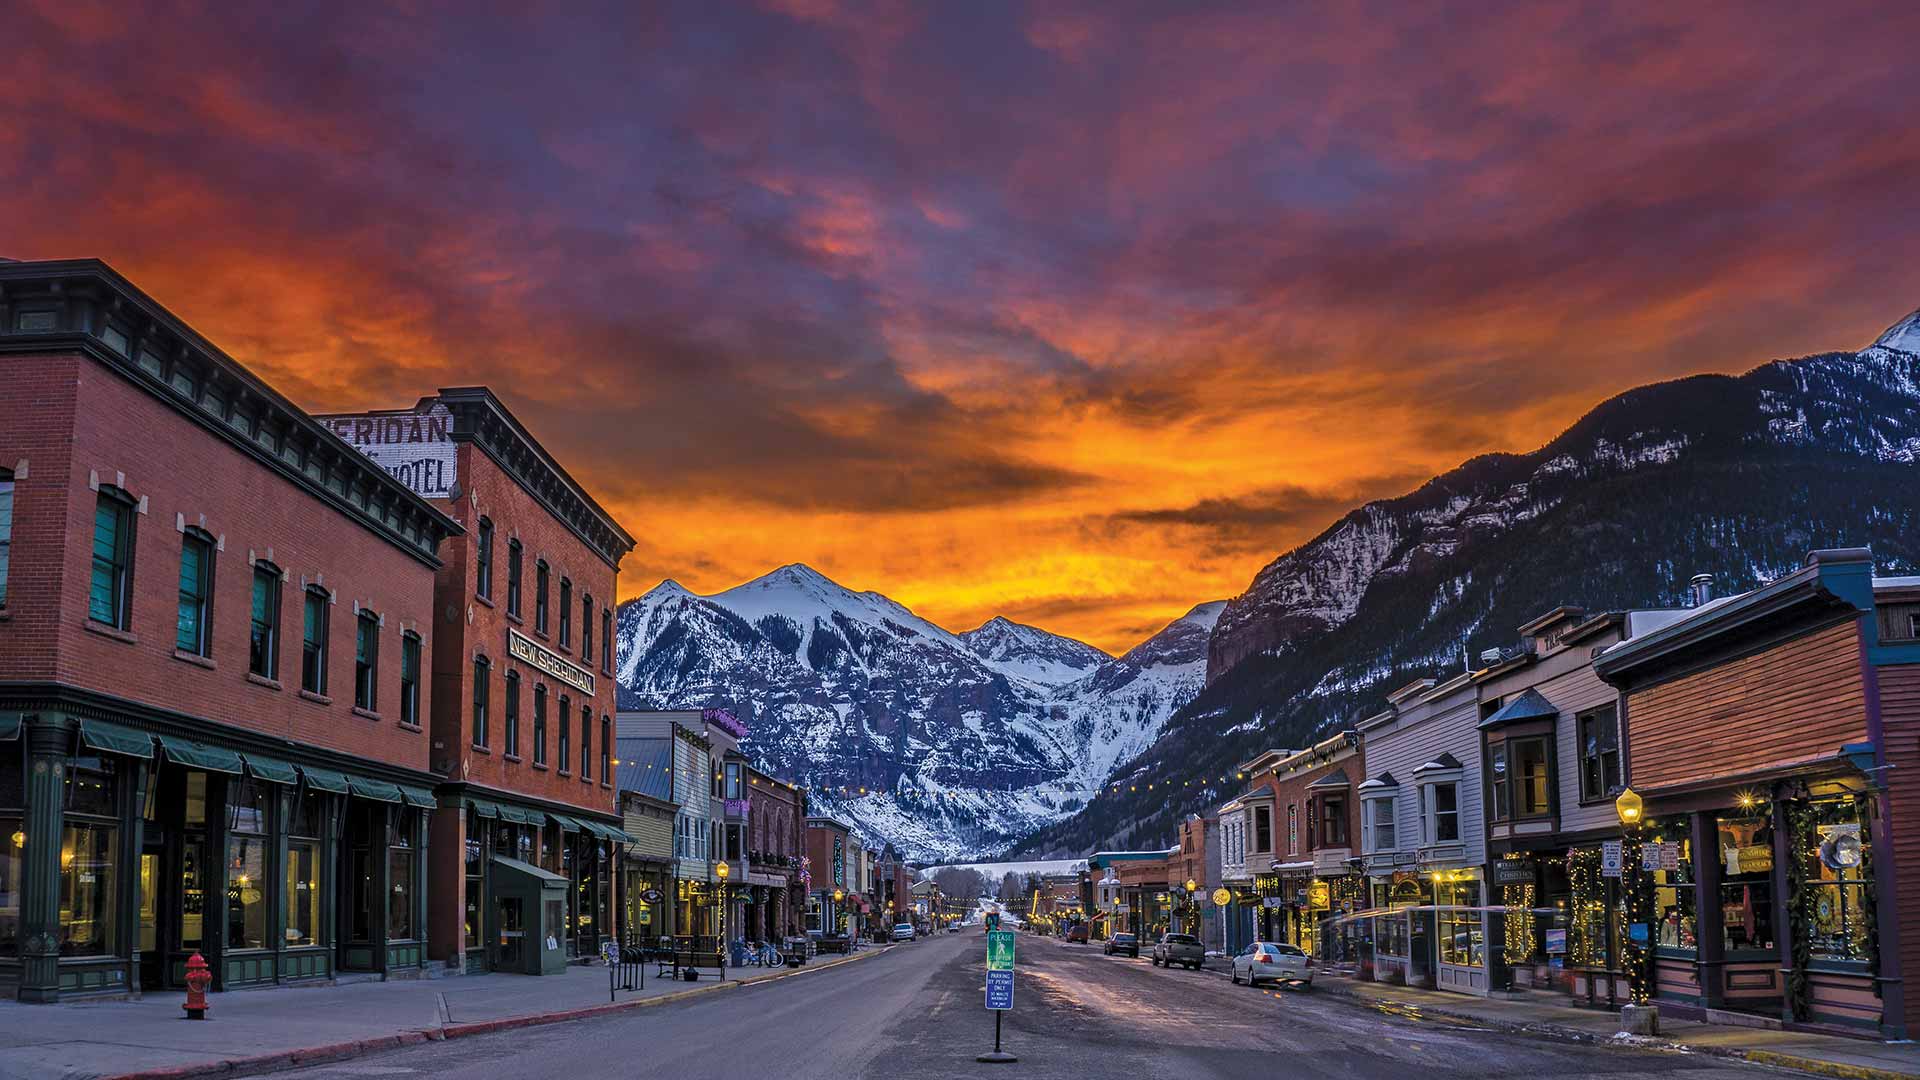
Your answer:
<point x="509" y="916"/>
<point x="155" y="906"/>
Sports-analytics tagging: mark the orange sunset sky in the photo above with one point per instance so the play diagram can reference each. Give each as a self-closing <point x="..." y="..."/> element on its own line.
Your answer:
<point x="1077" y="313"/>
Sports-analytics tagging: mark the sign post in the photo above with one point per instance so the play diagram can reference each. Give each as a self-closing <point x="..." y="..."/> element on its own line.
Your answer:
<point x="999" y="987"/>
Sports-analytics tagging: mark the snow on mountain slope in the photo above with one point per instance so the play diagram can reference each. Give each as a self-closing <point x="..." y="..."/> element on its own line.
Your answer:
<point x="1903" y="336"/>
<point x="949" y="745"/>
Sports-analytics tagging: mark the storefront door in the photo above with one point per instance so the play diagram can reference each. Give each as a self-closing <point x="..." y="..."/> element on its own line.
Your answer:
<point x="155" y="907"/>
<point x="510" y="918"/>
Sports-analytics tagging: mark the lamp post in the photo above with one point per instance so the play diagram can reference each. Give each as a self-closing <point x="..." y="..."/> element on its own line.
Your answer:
<point x="721" y="870"/>
<point x="1193" y="907"/>
<point x="1638" y="1016"/>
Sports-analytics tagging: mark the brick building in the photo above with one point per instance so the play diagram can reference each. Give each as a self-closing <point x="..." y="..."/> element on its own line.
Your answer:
<point x="213" y="617"/>
<point x="776" y="842"/>
<point x="1316" y="821"/>
<point x="522" y="663"/>
<point x="831" y="875"/>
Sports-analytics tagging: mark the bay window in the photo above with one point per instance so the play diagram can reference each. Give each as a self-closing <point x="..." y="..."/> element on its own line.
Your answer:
<point x="1380" y="832"/>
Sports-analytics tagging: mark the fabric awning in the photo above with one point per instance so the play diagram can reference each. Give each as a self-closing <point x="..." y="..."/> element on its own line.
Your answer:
<point x="114" y="739"/>
<point x="199" y="755"/>
<point x="272" y="770"/>
<point x="524" y="817"/>
<point x="9" y="726"/>
<point x="325" y="779"/>
<point x="483" y="808"/>
<point x="377" y="790"/>
<point x="418" y="796"/>
<point x="567" y="824"/>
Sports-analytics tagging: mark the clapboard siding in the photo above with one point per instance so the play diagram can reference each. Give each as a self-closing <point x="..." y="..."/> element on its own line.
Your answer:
<point x="1900" y="707"/>
<point x="1799" y="700"/>
<point x="1427" y="728"/>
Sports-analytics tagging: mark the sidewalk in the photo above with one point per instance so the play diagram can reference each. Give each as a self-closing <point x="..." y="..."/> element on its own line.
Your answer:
<point x="1552" y="1016"/>
<point x="254" y="1031"/>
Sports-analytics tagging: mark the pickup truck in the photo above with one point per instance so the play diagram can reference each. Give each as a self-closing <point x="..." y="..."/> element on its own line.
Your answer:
<point x="1179" y="949"/>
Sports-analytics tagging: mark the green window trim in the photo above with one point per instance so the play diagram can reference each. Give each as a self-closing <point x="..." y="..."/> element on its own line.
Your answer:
<point x="199" y="755"/>
<point x="325" y="779"/>
<point x="272" y="770"/>
<point x="114" y="739"/>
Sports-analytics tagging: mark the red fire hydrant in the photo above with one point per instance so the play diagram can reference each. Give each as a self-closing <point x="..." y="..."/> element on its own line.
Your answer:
<point x="198" y="979"/>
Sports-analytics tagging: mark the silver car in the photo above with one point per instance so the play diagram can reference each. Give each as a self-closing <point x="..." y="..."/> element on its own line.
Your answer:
<point x="1266" y="961"/>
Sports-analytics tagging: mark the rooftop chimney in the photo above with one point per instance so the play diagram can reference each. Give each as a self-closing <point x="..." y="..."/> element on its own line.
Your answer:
<point x="1702" y="588"/>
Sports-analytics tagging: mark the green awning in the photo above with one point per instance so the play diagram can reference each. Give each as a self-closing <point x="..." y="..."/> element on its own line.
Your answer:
<point x="483" y="808"/>
<point x="325" y="779"/>
<point x="567" y="824"/>
<point x="9" y="726"/>
<point x="605" y="832"/>
<point x="377" y="790"/>
<point x="199" y="755"/>
<point x="114" y="739"/>
<point x="272" y="770"/>
<point x="524" y="817"/>
<point x="417" y="796"/>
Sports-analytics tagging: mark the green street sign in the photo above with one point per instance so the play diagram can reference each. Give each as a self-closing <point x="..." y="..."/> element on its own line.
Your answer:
<point x="1000" y="950"/>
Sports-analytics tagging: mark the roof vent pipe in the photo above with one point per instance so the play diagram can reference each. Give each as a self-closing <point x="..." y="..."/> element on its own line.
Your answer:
<point x="1702" y="588"/>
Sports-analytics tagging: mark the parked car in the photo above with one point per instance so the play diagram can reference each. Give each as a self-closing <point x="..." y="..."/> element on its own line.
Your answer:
<point x="903" y="932"/>
<point x="1174" y="949"/>
<point x="953" y="928"/>
<point x="1123" y="943"/>
<point x="1077" y="933"/>
<point x="1266" y="961"/>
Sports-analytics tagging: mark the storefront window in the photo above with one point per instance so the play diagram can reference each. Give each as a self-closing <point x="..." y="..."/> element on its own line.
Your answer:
<point x="1461" y="929"/>
<point x="1673" y="887"/>
<point x="1837" y="874"/>
<point x="246" y="865"/>
<point x="303" y="870"/>
<point x="1746" y="884"/>
<point x="474" y="854"/>
<point x="400" y="873"/>
<point x="87" y="849"/>
<point x="13" y="841"/>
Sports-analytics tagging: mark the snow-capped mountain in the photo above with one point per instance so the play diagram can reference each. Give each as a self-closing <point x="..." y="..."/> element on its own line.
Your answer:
<point x="1737" y="476"/>
<point x="949" y="745"/>
<point x="1028" y="652"/>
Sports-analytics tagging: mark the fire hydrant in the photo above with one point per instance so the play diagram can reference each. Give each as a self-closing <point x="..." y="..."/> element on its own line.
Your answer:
<point x="198" y="979"/>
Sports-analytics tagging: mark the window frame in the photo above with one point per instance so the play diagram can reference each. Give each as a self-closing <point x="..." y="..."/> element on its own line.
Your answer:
<point x="606" y="640"/>
<point x="1607" y="787"/>
<point x="483" y="559"/>
<point x="410" y="649"/>
<point x="120" y="567"/>
<point x="7" y="505"/>
<point x="606" y="750"/>
<point x="514" y="557"/>
<point x="366" y="661"/>
<point x="586" y="741"/>
<point x="586" y="628"/>
<point x="265" y="624"/>
<point x="563" y="739"/>
<point x="482" y="701"/>
<point x="1332" y="821"/>
<point x="1430" y="812"/>
<point x="510" y="719"/>
<point x="314" y="595"/>
<point x="200" y="599"/>
<point x="540" y="724"/>
<point x="542" y="579"/>
<point x="1371" y="810"/>
<point x="566" y="611"/>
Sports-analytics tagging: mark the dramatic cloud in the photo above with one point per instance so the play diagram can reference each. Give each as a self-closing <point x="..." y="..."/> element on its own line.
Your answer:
<point x="1078" y="312"/>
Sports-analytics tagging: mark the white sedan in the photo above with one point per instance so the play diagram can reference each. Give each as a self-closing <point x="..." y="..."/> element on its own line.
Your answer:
<point x="1265" y="961"/>
<point x="903" y="932"/>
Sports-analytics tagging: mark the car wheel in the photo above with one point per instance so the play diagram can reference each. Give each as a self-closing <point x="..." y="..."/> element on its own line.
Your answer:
<point x="1235" y="976"/>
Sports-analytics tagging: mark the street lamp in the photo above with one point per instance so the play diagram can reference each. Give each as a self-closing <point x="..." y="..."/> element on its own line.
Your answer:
<point x="1631" y="809"/>
<point x="721" y="870"/>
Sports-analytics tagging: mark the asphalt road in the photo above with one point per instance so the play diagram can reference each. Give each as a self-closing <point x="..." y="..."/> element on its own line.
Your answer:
<point x="916" y="1010"/>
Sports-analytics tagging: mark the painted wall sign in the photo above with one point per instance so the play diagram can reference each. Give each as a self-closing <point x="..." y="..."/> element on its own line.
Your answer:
<point x="415" y="448"/>
<point x="528" y="651"/>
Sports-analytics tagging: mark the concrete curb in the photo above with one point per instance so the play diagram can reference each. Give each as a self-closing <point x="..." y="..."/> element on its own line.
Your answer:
<point x="1816" y="1066"/>
<point x="342" y="1051"/>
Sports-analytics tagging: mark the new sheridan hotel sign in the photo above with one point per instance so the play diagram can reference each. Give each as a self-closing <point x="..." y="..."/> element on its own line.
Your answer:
<point x="528" y="651"/>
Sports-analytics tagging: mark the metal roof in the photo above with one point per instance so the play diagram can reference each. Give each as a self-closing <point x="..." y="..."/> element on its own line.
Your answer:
<point x="646" y="767"/>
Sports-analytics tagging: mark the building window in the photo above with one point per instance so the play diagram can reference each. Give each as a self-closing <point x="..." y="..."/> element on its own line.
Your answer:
<point x="539" y="724"/>
<point x="586" y="742"/>
<point x="482" y="690"/>
<point x="1532" y="789"/>
<point x="263" y="647"/>
<point x="512" y="740"/>
<point x="88" y="857"/>
<point x="564" y="758"/>
<point x="1380" y="824"/>
<point x="586" y="629"/>
<point x="366" y="661"/>
<point x="313" y="643"/>
<point x="1262" y="829"/>
<point x="1460" y="929"/>
<point x="1333" y="821"/>
<point x="6" y="530"/>
<point x="400" y="873"/>
<point x="540" y="576"/>
<point x="483" y="560"/>
<point x="513" y="578"/>
<point x="1441" y="812"/>
<point x="606" y="638"/>
<point x="1746" y="884"/>
<point x="1293" y="829"/>
<point x="734" y="782"/>
<point x="1599" y="753"/>
<point x="410" y="678"/>
<point x="566" y="613"/>
<point x="606" y="750"/>
<point x="1842" y="922"/>
<point x="247" y="892"/>
<point x="109" y="590"/>
<point x="193" y="630"/>
<point x="303" y="869"/>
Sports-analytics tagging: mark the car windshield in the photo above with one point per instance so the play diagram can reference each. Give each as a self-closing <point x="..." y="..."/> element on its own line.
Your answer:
<point x="903" y="926"/>
<point x="1123" y="937"/>
<point x="1182" y="939"/>
<point x="1282" y="950"/>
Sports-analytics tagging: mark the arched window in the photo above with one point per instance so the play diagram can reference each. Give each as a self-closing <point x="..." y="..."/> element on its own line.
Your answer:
<point x="482" y="691"/>
<point x="513" y="577"/>
<point x="483" y="559"/>
<point x="110" y="588"/>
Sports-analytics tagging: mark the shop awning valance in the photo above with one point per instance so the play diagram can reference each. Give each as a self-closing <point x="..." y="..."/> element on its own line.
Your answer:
<point x="567" y="824"/>
<point x="9" y="726"/>
<point x="325" y="779"/>
<point x="199" y="755"/>
<point x="114" y="739"/>
<point x="524" y="817"/>
<point x="377" y="790"/>
<point x="272" y="770"/>
<point x="418" y="796"/>
<point x="483" y="808"/>
<point x="607" y="832"/>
